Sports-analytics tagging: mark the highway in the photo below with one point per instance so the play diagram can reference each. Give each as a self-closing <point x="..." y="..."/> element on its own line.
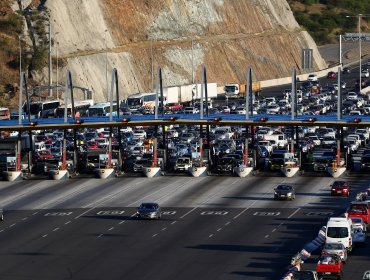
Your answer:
<point x="213" y="227"/>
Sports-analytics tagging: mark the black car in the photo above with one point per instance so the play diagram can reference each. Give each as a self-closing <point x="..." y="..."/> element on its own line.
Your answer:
<point x="226" y="164"/>
<point x="284" y="192"/>
<point x="346" y="70"/>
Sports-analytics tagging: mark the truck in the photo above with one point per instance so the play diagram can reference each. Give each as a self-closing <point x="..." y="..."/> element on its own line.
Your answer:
<point x="211" y="91"/>
<point x="330" y="266"/>
<point x="239" y="90"/>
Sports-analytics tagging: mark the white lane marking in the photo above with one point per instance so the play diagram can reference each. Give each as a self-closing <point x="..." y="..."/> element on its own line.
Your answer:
<point x="228" y="223"/>
<point x="188" y="212"/>
<point x="1" y="230"/>
<point x="154" y="235"/>
<point x="44" y="235"/>
<point x="55" y="229"/>
<point x="25" y="218"/>
<point x="100" y="235"/>
<point x="266" y="236"/>
<point x="66" y="223"/>
<point x="174" y="222"/>
<point x="273" y="230"/>
<point x="223" y="213"/>
<point x="120" y="223"/>
<point x="210" y="236"/>
<point x="219" y="229"/>
<point x="59" y="214"/>
<point x="12" y="225"/>
<point x="163" y="229"/>
<point x="295" y="212"/>
<point x="110" y="228"/>
<point x="35" y="213"/>
<point x="243" y="211"/>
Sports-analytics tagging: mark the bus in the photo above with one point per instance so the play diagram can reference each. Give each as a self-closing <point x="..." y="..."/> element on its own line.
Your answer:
<point x="101" y="109"/>
<point x="4" y="113"/>
<point x="42" y="109"/>
<point x="143" y="100"/>
<point x="81" y="109"/>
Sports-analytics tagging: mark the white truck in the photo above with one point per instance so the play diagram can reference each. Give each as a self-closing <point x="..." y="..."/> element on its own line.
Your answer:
<point x="211" y="91"/>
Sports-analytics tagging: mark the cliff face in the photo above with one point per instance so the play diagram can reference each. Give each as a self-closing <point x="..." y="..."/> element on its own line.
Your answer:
<point x="136" y="35"/>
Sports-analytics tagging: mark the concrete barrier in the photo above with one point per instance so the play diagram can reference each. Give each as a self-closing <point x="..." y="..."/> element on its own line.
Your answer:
<point x="12" y="175"/>
<point x="243" y="171"/>
<point x="105" y="173"/>
<point x="151" y="172"/>
<point x="59" y="174"/>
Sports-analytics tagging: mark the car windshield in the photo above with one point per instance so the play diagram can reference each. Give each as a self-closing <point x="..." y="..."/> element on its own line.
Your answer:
<point x="148" y="206"/>
<point x="356" y="220"/>
<point x="283" y="188"/>
<point x="337" y="232"/>
<point x="339" y="183"/>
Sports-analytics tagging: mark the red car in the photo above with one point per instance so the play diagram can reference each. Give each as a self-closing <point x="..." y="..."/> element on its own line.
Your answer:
<point x="340" y="188"/>
<point x="332" y="74"/>
<point x="330" y="266"/>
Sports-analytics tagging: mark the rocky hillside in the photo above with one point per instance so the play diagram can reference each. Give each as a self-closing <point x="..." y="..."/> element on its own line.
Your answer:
<point x="135" y="35"/>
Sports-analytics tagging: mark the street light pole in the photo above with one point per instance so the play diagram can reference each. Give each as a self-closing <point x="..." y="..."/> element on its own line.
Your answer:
<point x="359" y="42"/>
<point x="57" y="72"/>
<point x="106" y="62"/>
<point x="50" y="66"/>
<point x="20" y="58"/>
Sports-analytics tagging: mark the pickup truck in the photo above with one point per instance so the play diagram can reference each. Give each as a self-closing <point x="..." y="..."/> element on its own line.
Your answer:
<point x="329" y="266"/>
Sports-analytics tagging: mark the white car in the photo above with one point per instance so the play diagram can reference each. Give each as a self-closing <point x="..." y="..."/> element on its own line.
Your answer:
<point x="240" y="111"/>
<point x="358" y="223"/>
<point x="359" y="236"/>
<point x="365" y="74"/>
<point x="273" y="109"/>
<point x="312" y="78"/>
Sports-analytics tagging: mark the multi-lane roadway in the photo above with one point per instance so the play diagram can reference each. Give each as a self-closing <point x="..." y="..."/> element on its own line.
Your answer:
<point x="213" y="227"/>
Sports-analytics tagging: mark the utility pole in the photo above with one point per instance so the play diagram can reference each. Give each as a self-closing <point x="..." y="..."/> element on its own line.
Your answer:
<point x="50" y="66"/>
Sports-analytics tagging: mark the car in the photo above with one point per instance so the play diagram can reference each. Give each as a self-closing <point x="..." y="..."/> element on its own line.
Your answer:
<point x="312" y="78"/>
<point x="336" y="248"/>
<point x="365" y="73"/>
<point x="346" y="70"/>
<point x="305" y="275"/>
<point x="340" y="188"/>
<point x="357" y="222"/>
<point x="332" y="74"/>
<point x="359" y="236"/>
<point x="284" y="191"/>
<point x="330" y="265"/>
<point x="149" y="210"/>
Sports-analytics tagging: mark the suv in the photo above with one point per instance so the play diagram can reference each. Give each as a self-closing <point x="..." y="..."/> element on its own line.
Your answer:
<point x="183" y="164"/>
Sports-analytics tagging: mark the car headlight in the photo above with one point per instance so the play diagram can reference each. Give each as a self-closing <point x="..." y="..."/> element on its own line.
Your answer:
<point x="333" y="189"/>
<point x="275" y="193"/>
<point x="289" y="194"/>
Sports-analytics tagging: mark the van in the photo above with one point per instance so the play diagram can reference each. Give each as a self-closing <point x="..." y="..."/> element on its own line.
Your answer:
<point x="340" y="229"/>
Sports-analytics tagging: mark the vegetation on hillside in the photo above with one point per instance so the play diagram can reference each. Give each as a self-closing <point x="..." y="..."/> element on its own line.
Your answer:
<point x="326" y="19"/>
<point x="24" y="30"/>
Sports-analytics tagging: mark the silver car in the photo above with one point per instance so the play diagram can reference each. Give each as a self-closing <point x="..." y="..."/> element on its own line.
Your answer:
<point x="149" y="210"/>
<point x="335" y="248"/>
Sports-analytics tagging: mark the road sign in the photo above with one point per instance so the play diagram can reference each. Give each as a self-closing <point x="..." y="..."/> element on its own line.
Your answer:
<point x="355" y="37"/>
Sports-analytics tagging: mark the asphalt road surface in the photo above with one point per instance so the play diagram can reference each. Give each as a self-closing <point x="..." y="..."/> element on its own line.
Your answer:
<point x="213" y="227"/>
